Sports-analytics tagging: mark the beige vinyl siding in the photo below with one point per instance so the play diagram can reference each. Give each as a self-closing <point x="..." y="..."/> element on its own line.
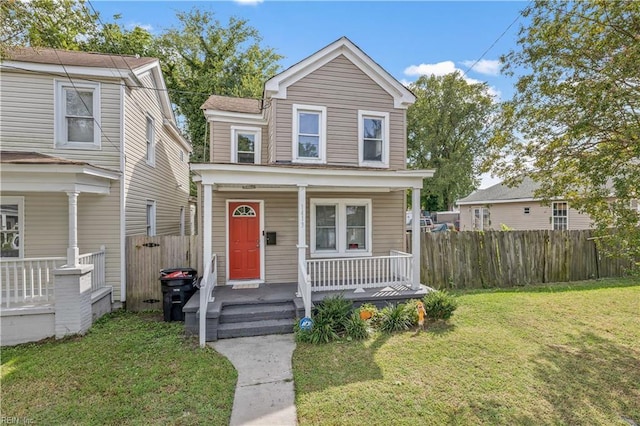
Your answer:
<point x="27" y="114"/>
<point x="46" y="227"/>
<point x="167" y="183"/>
<point x="344" y="89"/>
<point x="221" y="141"/>
<point x="512" y="215"/>
<point x="280" y="216"/>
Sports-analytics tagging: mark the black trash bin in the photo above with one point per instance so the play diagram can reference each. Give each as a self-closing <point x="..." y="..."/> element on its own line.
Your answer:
<point x="177" y="287"/>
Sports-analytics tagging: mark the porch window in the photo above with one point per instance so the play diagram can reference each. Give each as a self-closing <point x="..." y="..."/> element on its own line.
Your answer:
<point x="373" y="137"/>
<point x="11" y="222"/>
<point x="560" y="216"/>
<point x="309" y="134"/>
<point x="481" y="219"/>
<point x="245" y="144"/>
<point x="151" y="142"/>
<point x="77" y="115"/>
<point x="151" y="218"/>
<point x="340" y="227"/>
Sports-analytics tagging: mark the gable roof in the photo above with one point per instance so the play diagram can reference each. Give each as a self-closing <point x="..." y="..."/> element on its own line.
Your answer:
<point x="502" y="193"/>
<point x="75" y="58"/>
<point x="227" y="103"/>
<point x="276" y="87"/>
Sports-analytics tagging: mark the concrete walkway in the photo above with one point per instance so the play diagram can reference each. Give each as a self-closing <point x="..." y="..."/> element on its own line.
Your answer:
<point x="264" y="393"/>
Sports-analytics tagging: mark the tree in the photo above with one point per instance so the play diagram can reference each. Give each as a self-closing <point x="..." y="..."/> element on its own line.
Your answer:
<point x="447" y="129"/>
<point x="114" y="38"/>
<point x="576" y="112"/>
<point x="60" y="24"/>
<point x="202" y="57"/>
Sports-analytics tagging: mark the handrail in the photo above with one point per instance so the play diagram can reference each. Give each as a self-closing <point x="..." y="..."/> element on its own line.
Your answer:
<point x="209" y="281"/>
<point x="305" y="288"/>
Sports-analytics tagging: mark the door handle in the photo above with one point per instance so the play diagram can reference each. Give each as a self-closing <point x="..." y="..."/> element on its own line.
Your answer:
<point x="258" y="242"/>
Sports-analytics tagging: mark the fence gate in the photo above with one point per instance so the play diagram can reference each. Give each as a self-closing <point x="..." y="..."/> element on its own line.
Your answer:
<point x="146" y="257"/>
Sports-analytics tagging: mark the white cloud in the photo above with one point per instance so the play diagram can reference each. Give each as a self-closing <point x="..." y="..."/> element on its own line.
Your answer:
<point x="484" y="66"/>
<point x="248" y="2"/>
<point x="444" y="68"/>
<point x="439" y="69"/>
<point x="132" y="25"/>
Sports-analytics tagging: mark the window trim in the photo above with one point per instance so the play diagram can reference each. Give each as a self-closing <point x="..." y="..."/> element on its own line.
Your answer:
<point x="341" y="227"/>
<point x="257" y="146"/>
<point x="322" y="128"/>
<point x="151" y="227"/>
<point x="60" y="130"/>
<point x="553" y="216"/>
<point x="362" y="114"/>
<point x="151" y="145"/>
<point x="482" y="225"/>
<point x="20" y="202"/>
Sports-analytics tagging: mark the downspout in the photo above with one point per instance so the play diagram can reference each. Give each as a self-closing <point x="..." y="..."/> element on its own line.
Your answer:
<point x="123" y="219"/>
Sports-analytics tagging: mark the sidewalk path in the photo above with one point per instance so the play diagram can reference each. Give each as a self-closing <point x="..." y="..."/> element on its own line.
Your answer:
<point x="264" y="392"/>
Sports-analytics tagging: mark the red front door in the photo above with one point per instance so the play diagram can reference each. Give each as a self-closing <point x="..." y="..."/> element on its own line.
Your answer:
<point x="244" y="240"/>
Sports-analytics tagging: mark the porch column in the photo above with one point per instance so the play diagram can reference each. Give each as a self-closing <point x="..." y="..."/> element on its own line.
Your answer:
<point x="73" y="252"/>
<point x="207" y="218"/>
<point x="415" y="236"/>
<point x="302" y="235"/>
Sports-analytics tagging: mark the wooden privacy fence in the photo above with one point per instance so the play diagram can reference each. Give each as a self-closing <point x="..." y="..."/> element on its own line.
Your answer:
<point x="512" y="258"/>
<point x="147" y="256"/>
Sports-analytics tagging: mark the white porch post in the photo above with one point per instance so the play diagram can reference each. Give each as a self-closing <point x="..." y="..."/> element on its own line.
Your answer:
<point x="415" y="236"/>
<point x="207" y="219"/>
<point x="302" y="235"/>
<point x="73" y="252"/>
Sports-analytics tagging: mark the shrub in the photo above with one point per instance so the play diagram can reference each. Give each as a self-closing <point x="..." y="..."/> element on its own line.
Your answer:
<point x="356" y="328"/>
<point x="411" y="308"/>
<point x="370" y="308"/>
<point x="394" y="318"/>
<point x="333" y="311"/>
<point x="439" y="305"/>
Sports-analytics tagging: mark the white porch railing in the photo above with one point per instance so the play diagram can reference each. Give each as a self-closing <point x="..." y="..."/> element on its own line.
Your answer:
<point x="304" y="288"/>
<point x="207" y="285"/>
<point x="360" y="272"/>
<point x="98" y="276"/>
<point x="30" y="280"/>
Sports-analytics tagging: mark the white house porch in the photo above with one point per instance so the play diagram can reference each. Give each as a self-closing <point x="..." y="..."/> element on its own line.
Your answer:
<point x="353" y="267"/>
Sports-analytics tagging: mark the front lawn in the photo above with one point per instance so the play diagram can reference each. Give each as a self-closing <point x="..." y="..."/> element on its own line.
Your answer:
<point x="129" y="369"/>
<point x="565" y="354"/>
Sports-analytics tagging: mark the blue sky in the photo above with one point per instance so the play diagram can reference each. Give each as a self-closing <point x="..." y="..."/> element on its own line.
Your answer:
<point x="406" y="38"/>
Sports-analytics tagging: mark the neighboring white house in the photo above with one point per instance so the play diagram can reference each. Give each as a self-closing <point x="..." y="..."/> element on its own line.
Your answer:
<point x="307" y="185"/>
<point x="518" y="209"/>
<point x="90" y="153"/>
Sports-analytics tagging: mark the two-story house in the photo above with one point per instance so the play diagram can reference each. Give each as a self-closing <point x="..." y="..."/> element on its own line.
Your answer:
<point x="90" y="154"/>
<point x="307" y="186"/>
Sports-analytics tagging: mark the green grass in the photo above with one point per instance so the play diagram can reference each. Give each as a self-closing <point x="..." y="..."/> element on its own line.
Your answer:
<point x="129" y="369"/>
<point x="566" y="354"/>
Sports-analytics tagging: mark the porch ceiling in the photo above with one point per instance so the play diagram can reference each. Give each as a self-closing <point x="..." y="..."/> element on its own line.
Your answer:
<point x="263" y="176"/>
<point x="62" y="176"/>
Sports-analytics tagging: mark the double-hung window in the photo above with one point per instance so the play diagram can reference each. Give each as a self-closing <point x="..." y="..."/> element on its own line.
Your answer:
<point x="245" y="144"/>
<point x="151" y="141"/>
<point x="373" y="138"/>
<point x="341" y="227"/>
<point x="481" y="219"/>
<point x="560" y="216"/>
<point x="77" y="115"/>
<point x="309" y="134"/>
<point x="11" y="222"/>
<point x="151" y="218"/>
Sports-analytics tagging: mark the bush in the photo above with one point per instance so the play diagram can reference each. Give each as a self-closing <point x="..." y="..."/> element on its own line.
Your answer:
<point x="411" y="307"/>
<point x="439" y="305"/>
<point x="356" y="328"/>
<point x="394" y="318"/>
<point x="330" y="320"/>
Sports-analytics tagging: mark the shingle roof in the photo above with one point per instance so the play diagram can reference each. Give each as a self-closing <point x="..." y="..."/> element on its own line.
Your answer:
<point x="227" y="103"/>
<point x="502" y="192"/>
<point x="24" y="157"/>
<point x="74" y="58"/>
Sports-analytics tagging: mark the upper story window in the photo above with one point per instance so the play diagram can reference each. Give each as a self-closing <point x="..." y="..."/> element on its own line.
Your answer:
<point x="11" y="220"/>
<point x="77" y="115"/>
<point x="560" y="216"/>
<point x="373" y="138"/>
<point x="151" y="141"/>
<point x="246" y="144"/>
<point x="309" y="134"/>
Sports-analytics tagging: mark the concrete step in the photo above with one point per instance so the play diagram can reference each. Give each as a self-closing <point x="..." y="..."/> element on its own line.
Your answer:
<point x="255" y="328"/>
<point x="257" y="312"/>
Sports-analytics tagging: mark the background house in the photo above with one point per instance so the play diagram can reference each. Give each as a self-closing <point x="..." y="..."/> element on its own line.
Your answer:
<point x="90" y="154"/>
<point x="518" y="209"/>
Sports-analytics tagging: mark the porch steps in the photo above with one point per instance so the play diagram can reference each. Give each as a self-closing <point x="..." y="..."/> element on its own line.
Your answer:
<point x="256" y="319"/>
